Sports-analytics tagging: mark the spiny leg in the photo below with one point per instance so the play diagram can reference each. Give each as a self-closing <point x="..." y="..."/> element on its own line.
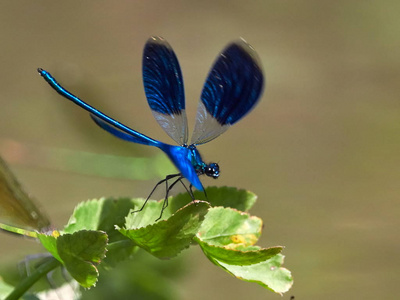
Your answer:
<point x="189" y="191"/>
<point x="151" y="193"/>
<point x="165" y="203"/>
<point x="192" y="194"/>
<point x="205" y="194"/>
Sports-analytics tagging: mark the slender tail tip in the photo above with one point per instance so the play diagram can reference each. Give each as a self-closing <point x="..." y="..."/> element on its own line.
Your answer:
<point x="41" y="71"/>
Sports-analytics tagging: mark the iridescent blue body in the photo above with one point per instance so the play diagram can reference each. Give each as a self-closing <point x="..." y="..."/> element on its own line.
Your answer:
<point x="232" y="89"/>
<point x="186" y="158"/>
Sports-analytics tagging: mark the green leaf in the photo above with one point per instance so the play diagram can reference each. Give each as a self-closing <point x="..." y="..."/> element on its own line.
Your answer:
<point x="104" y="214"/>
<point x="86" y="216"/>
<point x="230" y="228"/>
<point x="119" y="251"/>
<point x="227" y="238"/>
<point x="81" y="252"/>
<point x="244" y="256"/>
<point x="148" y="215"/>
<point x="269" y="273"/>
<point x="232" y="197"/>
<point x="229" y="235"/>
<point x="5" y="289"/>
<point x="166" y="238"/>
<point x="49" y="241"/>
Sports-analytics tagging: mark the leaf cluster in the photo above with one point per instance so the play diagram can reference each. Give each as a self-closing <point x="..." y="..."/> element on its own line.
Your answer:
<point x="107" y="231"/>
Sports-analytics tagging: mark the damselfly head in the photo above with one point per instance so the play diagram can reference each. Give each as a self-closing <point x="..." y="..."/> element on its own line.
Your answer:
<point x="212" y="170"/>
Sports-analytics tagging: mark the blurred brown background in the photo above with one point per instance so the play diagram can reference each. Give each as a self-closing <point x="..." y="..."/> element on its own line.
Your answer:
<point x="321" y="149"/>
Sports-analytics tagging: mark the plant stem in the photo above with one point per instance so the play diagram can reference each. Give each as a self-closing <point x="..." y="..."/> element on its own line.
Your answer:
<point x="120" y="244"/>
<point x="25" y="284"/>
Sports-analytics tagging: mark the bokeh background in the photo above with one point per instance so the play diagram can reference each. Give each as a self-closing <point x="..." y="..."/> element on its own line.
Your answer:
<point x="321" y="150"/>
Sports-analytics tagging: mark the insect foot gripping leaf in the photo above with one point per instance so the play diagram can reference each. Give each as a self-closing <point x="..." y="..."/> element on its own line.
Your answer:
<point x="166" y="238"/>
<point x="227" y="237"/>
<point x="79" y="252"/>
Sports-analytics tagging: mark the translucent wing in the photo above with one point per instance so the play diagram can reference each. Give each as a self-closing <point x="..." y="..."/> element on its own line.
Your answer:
<point x="163" y="85"/>
<point x="232" y="89"/>
<point x="18" y="212"/>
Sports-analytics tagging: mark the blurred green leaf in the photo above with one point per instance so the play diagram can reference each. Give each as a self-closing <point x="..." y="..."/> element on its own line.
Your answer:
<point x="145" y="277"/>
<point x="166" y="238"/>
<point x="5" y="289"/>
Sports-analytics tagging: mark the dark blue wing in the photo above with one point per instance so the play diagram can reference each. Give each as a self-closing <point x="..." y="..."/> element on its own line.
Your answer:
<point x="104" y="121"/>
<point x="163" y="85"/>
<point x="233" y="87"/>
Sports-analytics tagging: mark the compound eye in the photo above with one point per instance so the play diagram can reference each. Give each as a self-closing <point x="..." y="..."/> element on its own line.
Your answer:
<point x="212" y="170"/>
